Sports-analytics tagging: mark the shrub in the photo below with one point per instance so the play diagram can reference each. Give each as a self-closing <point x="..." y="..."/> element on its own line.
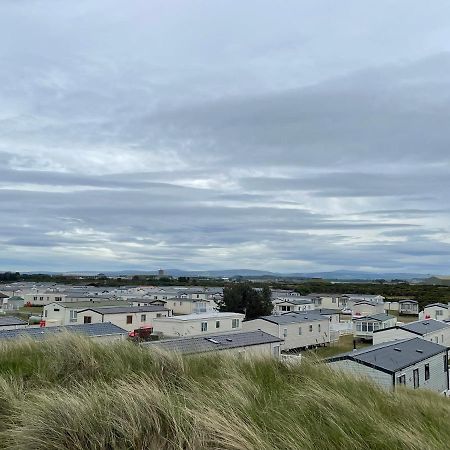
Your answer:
<point x="71" y="393"/>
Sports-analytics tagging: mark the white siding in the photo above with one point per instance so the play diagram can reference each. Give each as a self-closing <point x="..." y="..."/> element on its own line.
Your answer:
<point x="255" y="351"/>
<point x="440" y="337"/>
<point x="291" y="332"/>
<point x="381" y="378"/>
<point x="392" y="334"/>
<point x="437" y="381"/>
<point x="438" y="377"/>
<point x="55" y="314"/>
<point x="368" y="326"/>
<point x="327" y="301"/>
<point x="43" y="298"/>
<point x="365" y="309"/>
<point x="436" y="312"/>
<point x="408" y="308"/>
<point x="190" y="306"/>
<point x="286" y="306"/>
<point x="178" y="326"/>
<point x="121" y="319"/>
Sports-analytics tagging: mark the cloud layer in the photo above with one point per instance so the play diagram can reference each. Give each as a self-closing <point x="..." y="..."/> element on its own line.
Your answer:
<point x="160" y="134"/>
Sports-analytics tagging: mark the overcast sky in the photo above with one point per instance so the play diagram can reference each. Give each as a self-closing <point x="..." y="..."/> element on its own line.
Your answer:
<point x="290" y="136"/>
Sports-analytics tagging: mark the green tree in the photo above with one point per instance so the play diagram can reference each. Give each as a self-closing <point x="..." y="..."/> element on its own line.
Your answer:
<point x="242" y="298"/>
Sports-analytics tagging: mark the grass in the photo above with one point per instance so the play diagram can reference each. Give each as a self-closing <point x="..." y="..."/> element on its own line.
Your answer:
<point x="403" y="318"/>
<point x="72" y="393"/>
<point x="25" y="312"/>
<point x="344" y="344"/>
<point x="36" y="310"/>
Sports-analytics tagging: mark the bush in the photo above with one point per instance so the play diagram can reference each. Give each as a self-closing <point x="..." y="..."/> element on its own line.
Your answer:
<point x="72" y="393"/>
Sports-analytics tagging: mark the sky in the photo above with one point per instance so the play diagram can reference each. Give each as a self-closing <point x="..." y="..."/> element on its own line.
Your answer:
<point x="288" y="136"/>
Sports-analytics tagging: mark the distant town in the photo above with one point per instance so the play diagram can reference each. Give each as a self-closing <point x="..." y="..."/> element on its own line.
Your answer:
<point x="392" y="339"/>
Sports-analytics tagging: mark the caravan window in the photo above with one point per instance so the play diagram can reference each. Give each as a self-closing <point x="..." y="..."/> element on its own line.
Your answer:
<point x="427" y="371"/>
<point x="416" y="378"/>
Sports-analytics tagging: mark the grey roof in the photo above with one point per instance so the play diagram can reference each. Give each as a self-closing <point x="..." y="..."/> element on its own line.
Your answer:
<point x="3" y="295"/>
<point x="408" y="301"/>
<point x="391" y="357"/>
<point x="293" y="317"/>
<point x="367" y="302"/>
<point x="87" y="329"/>
<point x="326" y="311"/>
<point x="319" y="312"/>
<point x="103" y="297"/>
<point x="441" y="305"/>
<point x="192" y="291"/>
<point x="144" y="300"/>
<point x="125" y="309"/>
<point x="81" y="305"/>
<point x="182" y="299"/>
<point x="362" y="296"/>
<point x="424" y="326"/>
<point x="324" y="295"/>
<point x="16" y="298"/>
<point x="382" y="317"/>
<point x="11" y="321"/>
<point x="201" y="344"/>
<point x="298" y="301"/>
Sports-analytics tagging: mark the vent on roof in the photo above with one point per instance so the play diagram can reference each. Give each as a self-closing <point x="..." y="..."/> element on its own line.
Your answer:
<point x="397" y="349"/>
<point x="229" y="340"/>
<point x="425" y="323"/>
<point x="419" y="351"/>
<point x="212" y="340"/>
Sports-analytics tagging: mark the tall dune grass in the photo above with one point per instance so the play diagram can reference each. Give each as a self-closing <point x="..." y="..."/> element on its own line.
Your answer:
<point x="71" y="393"/>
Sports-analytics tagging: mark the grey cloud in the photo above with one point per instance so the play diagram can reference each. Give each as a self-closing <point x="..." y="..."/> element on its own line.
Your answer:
<point x="143" y="134"/>
<point x="356" y="184"/>
<point x="389" y="121"/>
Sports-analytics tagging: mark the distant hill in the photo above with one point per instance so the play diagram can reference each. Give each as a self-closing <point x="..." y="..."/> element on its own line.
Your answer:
<point x="442" y="281"/>
<point x="338" y="275"/>
<point x="358" y="275"/>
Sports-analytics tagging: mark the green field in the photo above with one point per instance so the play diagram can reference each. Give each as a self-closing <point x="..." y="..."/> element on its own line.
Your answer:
<point x="403" y="318"/>
<point x="345" y="344"/>
<point x="74" y="394"/>
<point x="27" y="311"/>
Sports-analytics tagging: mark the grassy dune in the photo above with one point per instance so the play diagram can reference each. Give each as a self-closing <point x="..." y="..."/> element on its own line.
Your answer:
<point x="74" y="394"/>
